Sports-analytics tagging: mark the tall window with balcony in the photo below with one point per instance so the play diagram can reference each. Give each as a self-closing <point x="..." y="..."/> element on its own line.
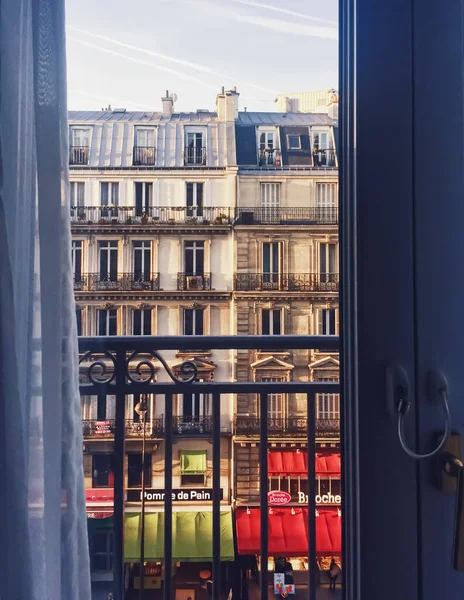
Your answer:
<point x="194" y="276"/>
<point x="108" y="258"/>
<point x="142" y="262"/>
<point x="323" y="153"/>
<point x="144" y="199"/>
<point x="195" y="151"/>
<point x="194" y="199"/>
<point x="326" y="203"/>
<point x="272" y="263"/>
<point x="76" y="260"/>
<point x="194" y="413"/>
<point x="77" y="200"/>
<point x="107" y="321"/>
<point x="328" y="266"/>
<point x="270" y="202"/>
<point x="328" y="407"/>
<point x="109" y="199"/>
<point x="268" y="154"/>
<point x="144" y="147"/>
<point x="79" y="150"/>
<point x="141" y="322"/>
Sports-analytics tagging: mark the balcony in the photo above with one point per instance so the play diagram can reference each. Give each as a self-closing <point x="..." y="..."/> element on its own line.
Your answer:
<point x="324" y="158"/>
<point x="188" y="282"/>
<point x="270" y="157"/>
<point x="143" y="156"/>
<point x="293" y="215"/>
<point x="152" y="215"/>
<point x="195" y="157"/>
<point x="188" y="425"/>
<point x="79" y="155"/>
<point x="287" y="427"/>
<point x="121" y="366"/>
<point x="286" y="282"/>
<point x="123" y="282"/>
<point x="93" y="429"/>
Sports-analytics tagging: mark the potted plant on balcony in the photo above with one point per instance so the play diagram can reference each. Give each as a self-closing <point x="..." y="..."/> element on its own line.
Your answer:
<point x="129" y="220"/>
<point x="145" y="217"/>
<point x="222" y="219"/>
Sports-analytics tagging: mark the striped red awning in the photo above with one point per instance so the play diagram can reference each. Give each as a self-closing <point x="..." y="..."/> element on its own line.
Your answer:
<point x="288" y="532"/>
<point x="99" y="502"/>
<point x="286" y="463"/>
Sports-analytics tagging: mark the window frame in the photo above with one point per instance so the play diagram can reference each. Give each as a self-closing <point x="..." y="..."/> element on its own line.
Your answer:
<point x="294" y="135"/>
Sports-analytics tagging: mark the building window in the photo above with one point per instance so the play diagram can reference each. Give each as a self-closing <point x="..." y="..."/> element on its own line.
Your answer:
<point x="79" y="149"/>
<point x="107" y="322"/>
<point x="320" y="141"/>
<point x="194" y="199"/>
<point x="293" y="142"/>
<point x="194" y="258"/>
<point x="134" y="470"/>
<point x="193" y="321"/>
<point x="276" y="405"/>
<point x="193" y="467"/>
<point x="194" y="151"/>
<point x="194" y="406"/>
<point x="328" y="406"/>
<point x="101" y="551"/>
<point x="142" y="261"/>
<point x="102" y="470"/>
<point x="141" y="322"/>
<point x="77" y="191"/>
<point x="79" y="320"/>
<point x="76" y="260"/>
<point x="326" y="195"/>
<point x="271" y="321"/>
<point x="328" y="261"/>
<point x="327" y="324"/>
<point x="143" y="197"/>
<point x="108" y="254"/>
<point x="272" y="260"/>
<point x="270" y="202"/>
<point x="109" y="196"/>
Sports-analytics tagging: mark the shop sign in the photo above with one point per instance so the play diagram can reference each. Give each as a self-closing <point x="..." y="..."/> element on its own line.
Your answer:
<point x="281" y="588"/>
<point x="320" y="498"/>
<point x="178" y="495"/>
<point x="278" y="497"/>
<point x="102" y="426"/>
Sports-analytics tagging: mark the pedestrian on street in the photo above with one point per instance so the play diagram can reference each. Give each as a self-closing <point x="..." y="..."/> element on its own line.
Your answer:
<point x="334" y="570"/>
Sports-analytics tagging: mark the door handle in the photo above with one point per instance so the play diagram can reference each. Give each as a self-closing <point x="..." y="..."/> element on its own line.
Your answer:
<point x="452" y="480"/>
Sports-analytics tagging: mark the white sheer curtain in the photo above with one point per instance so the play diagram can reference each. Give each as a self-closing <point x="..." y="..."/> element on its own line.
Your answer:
<point x="43" y="531"/>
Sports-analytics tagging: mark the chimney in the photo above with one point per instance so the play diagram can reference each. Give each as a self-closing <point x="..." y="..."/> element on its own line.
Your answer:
<point x="332" y="105"/>
<point x="168" y="103"/>
<point x="227" y="105"/>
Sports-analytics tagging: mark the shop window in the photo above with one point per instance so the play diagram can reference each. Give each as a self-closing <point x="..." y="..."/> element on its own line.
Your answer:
<point x="193" y="467"/>
<point x="101" y="551"/>
<point x="134" y="470"/>
<point x="102" y="470"/>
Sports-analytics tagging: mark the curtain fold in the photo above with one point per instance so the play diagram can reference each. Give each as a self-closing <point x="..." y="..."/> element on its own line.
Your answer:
<point x="43" y="529"/>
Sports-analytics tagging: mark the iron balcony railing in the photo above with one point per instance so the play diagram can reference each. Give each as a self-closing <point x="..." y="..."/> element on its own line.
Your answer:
<point x="104" y="428"/>
<point x="191" y="425"/>
<point x="286" y="427"/>
<point x="292" y="215"/>
<point x="152" y="215"/>
<point x="122" y="366"/>
<point x="136" y="282"/>
<point x="79" y="155"/>
<point x="143" y="156"/>
<point x="195" y="156"/>
<point x="191" y="282"/>
<point x="288" y="282"/>
<point x="324" y="157"/>
<point x="270" y="157"/>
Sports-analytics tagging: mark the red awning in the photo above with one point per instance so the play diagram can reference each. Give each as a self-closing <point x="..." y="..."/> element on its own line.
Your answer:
<point x="288" y="532"/>
<point x="287" y="463"/>
<point x="99" y="502"/>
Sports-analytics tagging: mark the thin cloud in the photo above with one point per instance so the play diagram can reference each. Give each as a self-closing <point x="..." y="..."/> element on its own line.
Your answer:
<point x="290" y="27"/>
<point x="139" y="61"/>
<point x="179" y="61"/>
<point x="284" y="11"/>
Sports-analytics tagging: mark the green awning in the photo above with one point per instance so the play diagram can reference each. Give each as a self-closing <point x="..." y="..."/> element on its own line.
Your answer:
<point x="193" y="462"/>
<point x="192" y="534"/>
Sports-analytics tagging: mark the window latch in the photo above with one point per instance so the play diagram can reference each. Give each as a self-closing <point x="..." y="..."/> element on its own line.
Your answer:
<point x="451" y="480"/>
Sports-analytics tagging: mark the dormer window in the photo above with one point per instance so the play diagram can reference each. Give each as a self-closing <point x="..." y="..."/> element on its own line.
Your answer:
<point x="195" y="150"/>
<point x="79" y="149"/>
<point x="293" y="142"/>
<point x="268" y="154"/>
<point x="144" y="146"/>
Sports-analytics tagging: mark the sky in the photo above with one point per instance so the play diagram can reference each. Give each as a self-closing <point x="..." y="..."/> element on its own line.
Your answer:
<point x="127" y="53"/>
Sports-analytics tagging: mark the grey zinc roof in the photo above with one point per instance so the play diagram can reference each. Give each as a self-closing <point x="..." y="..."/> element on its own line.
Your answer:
<point x="244" y="118"/>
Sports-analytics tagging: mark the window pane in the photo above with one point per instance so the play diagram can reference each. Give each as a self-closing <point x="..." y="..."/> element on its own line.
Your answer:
<point x="137" y="323"/>
<point x="276" y="314"/>
<point x="198" y="321"/>
<point x="112" y="322"/>
<point x="102" y="322"/>
<point x="265" y="321"/>
<point x="104" y="194"/>
<point x="79" y="320"/>
<point x="188" y="321"/>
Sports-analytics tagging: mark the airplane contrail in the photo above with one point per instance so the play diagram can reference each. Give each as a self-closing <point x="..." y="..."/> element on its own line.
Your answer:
<point x="284" y="11"/>
<point x="100" y="98"/>
<point x="179" y="61"/>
